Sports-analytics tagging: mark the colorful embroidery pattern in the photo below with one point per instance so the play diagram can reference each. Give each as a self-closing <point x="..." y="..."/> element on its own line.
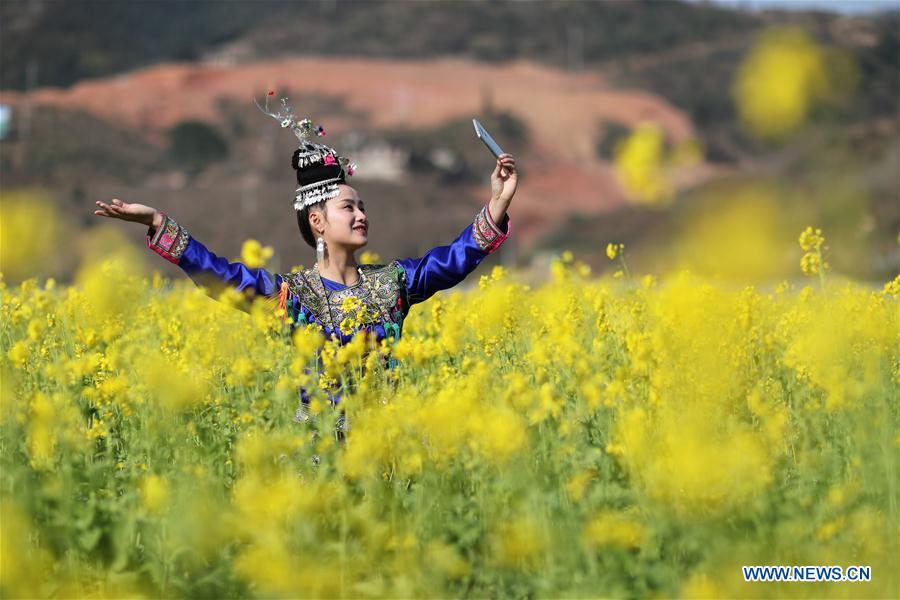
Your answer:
<point x="487" y="235"/>
<point x="381" y="289"/>
<point x="169" y="240"/>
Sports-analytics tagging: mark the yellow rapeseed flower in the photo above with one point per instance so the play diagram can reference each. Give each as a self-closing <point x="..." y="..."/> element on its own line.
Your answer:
<point x="254" y="254"/>
<point x="810" y="239"/>
<point x="614" y="528"/>
<point x="612" y="250"/>
<point x="368" y="257"/>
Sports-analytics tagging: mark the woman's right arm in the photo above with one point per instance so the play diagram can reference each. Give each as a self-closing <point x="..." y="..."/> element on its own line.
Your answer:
<point x="173" y="242"/>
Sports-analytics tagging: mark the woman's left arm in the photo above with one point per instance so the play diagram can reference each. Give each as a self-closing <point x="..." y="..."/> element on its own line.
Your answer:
<point x="445" y="266"/>
<point x="504" y="181"/>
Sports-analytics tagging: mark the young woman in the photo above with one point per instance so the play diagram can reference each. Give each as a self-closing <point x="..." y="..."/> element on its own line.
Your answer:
<point x="332" y="218"/>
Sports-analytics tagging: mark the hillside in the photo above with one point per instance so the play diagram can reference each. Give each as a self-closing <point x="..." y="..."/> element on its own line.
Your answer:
<point x="684" y="52"/>
<point x="559" y="161"/>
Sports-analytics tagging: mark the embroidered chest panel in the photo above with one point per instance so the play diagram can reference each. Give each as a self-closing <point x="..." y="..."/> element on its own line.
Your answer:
<point x="381" y="289"/>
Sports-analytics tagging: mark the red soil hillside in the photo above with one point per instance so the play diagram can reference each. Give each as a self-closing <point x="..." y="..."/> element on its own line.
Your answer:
<point x="562" y="111"/>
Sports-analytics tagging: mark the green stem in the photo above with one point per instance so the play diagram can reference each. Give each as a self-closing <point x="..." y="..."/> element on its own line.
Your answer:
<point x="624" y="264"/>
<point x="343" y="550"/>
<point x="821" y="270"/>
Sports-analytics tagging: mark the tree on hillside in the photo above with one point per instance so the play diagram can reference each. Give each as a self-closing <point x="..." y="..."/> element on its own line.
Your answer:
<point x="193" y="145"/>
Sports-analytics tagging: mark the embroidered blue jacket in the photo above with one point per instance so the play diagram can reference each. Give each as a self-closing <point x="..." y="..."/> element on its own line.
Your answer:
<point x="386" y="291"/>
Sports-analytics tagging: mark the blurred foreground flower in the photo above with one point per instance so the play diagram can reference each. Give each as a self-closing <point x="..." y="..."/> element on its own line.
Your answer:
<point x="155" y="493"/>
<point x="369" y="258"/>
<point x="29" y="229"/>
<point x="255" y="255"/>
<point x="735" y="231"/>
<point x="645" y="166"/>
<point x="782" y="78"/>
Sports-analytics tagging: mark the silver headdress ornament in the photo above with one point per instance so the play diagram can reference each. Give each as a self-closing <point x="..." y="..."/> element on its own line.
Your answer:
<point x="313" y="157"/>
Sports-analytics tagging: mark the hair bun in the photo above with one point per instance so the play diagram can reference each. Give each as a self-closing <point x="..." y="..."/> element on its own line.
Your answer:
<point x="295" y="159"/>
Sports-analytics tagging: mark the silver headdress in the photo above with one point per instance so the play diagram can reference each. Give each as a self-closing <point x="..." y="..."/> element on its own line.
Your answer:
<point x="319" y="167"/>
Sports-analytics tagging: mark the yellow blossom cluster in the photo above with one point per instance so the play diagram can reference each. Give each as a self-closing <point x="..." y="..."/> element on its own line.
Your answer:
<point x="811" y="242"/>
<point x="367" y="257"/>
<point x="614" y="250"/>
<point x="254" y="254"/>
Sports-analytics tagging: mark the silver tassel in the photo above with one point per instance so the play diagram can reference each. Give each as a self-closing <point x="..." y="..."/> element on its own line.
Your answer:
<point x="320" y="250"/>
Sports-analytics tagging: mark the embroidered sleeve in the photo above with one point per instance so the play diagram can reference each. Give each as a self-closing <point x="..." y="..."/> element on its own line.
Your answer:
<point x="443" y="267"/>
<point x="175" y="244"/>
<point x="169" y="240"/>
<point x="487" y="234"/>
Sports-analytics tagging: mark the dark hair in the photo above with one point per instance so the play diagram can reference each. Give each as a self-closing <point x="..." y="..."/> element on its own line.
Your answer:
<point x="310" y="174"/>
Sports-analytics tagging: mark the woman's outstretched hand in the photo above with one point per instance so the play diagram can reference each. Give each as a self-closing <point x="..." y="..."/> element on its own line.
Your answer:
<point x="504" y="179"/>
<point x="136" y="213"/>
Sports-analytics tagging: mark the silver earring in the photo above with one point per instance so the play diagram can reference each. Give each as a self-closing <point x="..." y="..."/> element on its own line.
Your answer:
<point x="320" y="249"/>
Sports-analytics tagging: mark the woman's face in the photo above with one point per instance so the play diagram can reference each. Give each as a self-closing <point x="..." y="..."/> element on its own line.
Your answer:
<point x="346" y="223"/>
